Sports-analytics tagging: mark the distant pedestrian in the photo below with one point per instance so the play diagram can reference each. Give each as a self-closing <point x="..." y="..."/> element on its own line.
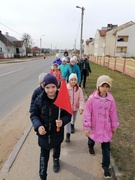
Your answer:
<point x="65" y="54"/>
<point x="44" y="117"/>
<point x="57" y="59"/>
<point x="44" y="55"/>
<point x="38" y="90"/>
<point x="84" y="68"/>
<point x="77" y="103"/>
<point x="100" y="120"/>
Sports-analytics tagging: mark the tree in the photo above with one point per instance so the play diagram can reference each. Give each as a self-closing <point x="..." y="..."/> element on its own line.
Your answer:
<point x="27" y="41"/>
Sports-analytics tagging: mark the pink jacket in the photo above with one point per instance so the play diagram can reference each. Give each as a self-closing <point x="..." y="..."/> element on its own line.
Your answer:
<point x="100" y="117"/>
<point x="76" y="98"/>
<point x="57" y="74"/>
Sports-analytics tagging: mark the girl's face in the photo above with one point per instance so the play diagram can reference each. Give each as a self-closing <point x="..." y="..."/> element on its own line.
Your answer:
<point x="72" y="63"/>
<point x="64" y="62"/>
<point x="50" y="90"/>
<point x="104" y="89"/>
<point x="55" y="67"/>
<point x="73" y="82"/>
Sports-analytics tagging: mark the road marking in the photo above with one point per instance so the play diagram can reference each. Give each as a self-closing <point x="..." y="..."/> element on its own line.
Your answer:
<point x="11" y="72"/>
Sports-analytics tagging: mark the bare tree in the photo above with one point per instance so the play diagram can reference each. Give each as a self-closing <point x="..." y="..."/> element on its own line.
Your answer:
<point x="27" y="41"/>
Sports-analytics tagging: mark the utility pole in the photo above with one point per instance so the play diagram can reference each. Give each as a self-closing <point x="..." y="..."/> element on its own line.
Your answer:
<point x="81" y="40"/>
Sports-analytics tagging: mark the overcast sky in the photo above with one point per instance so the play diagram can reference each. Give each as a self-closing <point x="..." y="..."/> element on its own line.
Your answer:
<point x="57" y="22"/>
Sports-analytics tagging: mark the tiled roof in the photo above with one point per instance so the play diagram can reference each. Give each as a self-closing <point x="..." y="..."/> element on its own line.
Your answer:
<point x="18" y="43"/>
<point x="102" y="33"/>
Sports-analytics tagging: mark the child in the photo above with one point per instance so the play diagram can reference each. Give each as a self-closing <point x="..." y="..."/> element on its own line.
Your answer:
<point x="77" y="103"/>
<point x="63" y="67"/>
<point x="56" y="72"/>
<point x="84" y="68"/>
<point x="44" y="116"/>
<point x="38" y="90"/>
<point x="57" y="60"/>
<point x="73" y="68"/>
<point x="100" y="120"/>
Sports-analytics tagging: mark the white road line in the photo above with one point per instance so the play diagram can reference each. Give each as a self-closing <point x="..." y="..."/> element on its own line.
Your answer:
<point x="11" y="72"/>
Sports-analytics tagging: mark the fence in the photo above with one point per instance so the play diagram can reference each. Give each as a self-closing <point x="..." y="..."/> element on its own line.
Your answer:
<point x="123" y="65"/>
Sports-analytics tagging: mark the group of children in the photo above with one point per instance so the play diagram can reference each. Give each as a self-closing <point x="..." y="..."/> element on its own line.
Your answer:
<point x="99" y="121"/>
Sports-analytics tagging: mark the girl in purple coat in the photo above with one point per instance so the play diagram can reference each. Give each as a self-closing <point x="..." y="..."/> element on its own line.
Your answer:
<point x="100" y="120"/>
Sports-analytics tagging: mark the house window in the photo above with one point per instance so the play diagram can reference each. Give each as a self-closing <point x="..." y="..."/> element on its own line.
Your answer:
<point x="121" y="49"/>
<point x="122" y="39"/>
<point x="0" y="49"/>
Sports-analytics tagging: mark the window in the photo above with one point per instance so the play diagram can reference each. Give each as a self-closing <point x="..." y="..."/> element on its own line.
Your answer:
<point x="122" y="38"/>
<point x="0" y="49"/>
<point x="121" y="49"/>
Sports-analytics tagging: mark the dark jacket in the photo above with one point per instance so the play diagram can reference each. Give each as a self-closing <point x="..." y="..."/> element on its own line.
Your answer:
<point x="44" y="113"/>
<point x="85" y="62"/>
<point x="35" y="94"/>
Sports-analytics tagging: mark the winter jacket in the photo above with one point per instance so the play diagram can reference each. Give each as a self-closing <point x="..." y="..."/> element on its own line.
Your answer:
<point x="44" y="113"/>
<point x="85" y="63"/>
<point x="58" y="61"/>
<point x="76" y="98"/>
<point x="73" y="69"/>
<point x="35" y="94"/>
<point x="63" y="69"/>
<point x="100" y="117"/>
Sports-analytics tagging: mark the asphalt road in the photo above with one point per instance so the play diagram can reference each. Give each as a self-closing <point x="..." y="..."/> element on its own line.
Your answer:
<point x="18" y="80"/>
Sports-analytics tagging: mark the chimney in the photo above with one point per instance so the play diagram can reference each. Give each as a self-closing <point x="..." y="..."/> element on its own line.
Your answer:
<point x="7" y="34"/>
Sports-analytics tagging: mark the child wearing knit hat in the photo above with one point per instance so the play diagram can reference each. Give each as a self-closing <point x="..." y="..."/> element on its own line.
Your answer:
<point x="44" y="117"/>
<point x="77" y="103"/>
<point x="38" y="90"/>
<point x="100" y="120"/>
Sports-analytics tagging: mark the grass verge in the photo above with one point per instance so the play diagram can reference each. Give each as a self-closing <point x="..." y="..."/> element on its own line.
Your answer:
<point x="123" y="142"/>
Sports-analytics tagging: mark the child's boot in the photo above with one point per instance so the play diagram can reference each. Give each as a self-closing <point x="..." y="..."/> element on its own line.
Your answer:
<point x="68" y="137"/>
<point x="72" y="128"/>
<point x="56" y="165"/>
<point x="91" y="150"/>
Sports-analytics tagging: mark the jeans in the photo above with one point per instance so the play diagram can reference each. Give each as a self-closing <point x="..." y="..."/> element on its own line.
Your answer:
<point x="44" y="158"/>
<point x="105" y="152"/>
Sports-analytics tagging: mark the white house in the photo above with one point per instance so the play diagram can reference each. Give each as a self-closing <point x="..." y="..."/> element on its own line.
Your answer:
<point x="11" y="47"/>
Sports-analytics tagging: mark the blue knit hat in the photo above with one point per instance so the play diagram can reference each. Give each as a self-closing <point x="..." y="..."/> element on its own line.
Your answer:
<point x="50" y="79"/>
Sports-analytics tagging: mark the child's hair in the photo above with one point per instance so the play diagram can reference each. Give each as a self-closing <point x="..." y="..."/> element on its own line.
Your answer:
<point x="41" y="77"/>
<point x="56" y="65"/>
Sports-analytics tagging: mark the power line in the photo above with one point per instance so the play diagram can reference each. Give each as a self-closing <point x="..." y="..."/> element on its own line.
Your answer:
<point x="11" y="29"/>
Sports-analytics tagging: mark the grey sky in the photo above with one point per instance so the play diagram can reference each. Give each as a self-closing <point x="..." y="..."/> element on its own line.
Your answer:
<point x="59" y="20"/>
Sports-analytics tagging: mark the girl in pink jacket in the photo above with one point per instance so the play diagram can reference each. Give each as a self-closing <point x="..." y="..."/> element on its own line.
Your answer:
<point x="100" y="120"/>
<point x="77" y="103"/>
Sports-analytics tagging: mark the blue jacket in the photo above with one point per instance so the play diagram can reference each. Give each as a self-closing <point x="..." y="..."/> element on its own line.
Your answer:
<point x="58" y="61"/>
<point x="63" y="69"/>
<point x="73" y="69"/>
<point x="44" y="113"/>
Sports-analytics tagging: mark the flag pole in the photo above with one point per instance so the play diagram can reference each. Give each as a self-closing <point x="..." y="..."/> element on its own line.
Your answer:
<point x="58" y="128"/>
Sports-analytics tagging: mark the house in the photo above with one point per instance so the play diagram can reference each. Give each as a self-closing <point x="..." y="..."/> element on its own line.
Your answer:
<point x="89" y="46"/>
<point x="10" y="47"/>
<point x="100" y="40"/>
<point x="120" y="41"/>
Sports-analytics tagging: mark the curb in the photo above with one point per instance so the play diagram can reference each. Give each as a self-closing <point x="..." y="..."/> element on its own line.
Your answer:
<point x="10" y="160"/>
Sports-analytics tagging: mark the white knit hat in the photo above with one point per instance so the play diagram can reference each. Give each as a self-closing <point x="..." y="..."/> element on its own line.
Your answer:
<point x="63" y="59"/>
<point x="104" y="79"/>
<point x="57" y="55"/>
<point x="72" y="60"/>
<point x="72" y="75"/>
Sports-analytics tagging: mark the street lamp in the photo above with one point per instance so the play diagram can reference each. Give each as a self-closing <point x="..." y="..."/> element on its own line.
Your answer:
<point x="41" y="41"/>
<point x="81" y="40"/>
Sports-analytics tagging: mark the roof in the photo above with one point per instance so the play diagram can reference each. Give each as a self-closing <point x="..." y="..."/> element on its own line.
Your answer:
<point x="5" y="40"/>
<point x="102" y="33"/>
<point x="18" y="43"/>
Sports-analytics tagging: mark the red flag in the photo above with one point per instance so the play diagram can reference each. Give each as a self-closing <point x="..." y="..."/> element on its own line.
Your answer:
<point x="63" y="100"/>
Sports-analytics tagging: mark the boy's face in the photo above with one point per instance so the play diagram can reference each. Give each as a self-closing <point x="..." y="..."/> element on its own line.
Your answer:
<point x="50" y="90"/>
<point x="84" y="57"/>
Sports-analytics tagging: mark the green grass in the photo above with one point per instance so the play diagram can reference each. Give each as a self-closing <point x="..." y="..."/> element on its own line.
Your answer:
<point x="123" y="142"/>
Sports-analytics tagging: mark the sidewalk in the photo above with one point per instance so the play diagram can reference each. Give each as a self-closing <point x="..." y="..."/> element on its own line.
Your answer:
<point x="76" y="162"/>
<point x="16" y="60"/>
